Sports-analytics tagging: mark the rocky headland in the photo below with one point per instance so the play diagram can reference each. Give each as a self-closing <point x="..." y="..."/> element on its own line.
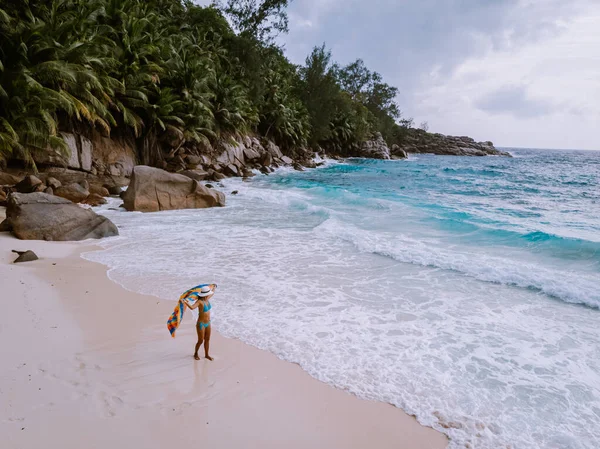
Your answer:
<point x="420" y="141"/>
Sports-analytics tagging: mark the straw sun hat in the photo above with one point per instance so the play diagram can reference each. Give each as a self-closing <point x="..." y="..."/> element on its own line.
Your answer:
<point x="205" y="291"/>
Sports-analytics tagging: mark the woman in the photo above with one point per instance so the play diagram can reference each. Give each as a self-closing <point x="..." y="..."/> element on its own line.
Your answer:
<point x="203" y="325"/>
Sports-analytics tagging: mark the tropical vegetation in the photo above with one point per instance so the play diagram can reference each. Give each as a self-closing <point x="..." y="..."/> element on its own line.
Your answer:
<point x="170" y="73"/>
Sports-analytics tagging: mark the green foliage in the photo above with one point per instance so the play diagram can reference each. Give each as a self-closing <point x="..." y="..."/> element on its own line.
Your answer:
<point x="169" y="73"/>
<point x="379" y="98"/>
<point x="319" y="90"/>
<point x="258" y="19"/>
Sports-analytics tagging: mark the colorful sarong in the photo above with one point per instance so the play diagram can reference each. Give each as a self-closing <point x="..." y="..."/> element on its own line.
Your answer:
<point x="187" y="299"/>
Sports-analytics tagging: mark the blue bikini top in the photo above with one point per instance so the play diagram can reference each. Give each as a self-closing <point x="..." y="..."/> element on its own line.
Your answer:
<point x="207" y="307"/>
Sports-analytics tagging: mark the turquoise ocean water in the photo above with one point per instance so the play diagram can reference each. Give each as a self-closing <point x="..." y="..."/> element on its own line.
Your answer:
<point x="463" y="290"/>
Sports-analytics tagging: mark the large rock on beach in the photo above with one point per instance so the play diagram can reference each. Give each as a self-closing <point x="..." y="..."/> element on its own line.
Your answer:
<point x="38" y="216"/>
<point x="152" y="190"/>
<point x="73" y="192"/>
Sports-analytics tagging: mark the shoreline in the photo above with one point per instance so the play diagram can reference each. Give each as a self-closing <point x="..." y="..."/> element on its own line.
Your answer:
<point x="93" y="366"/>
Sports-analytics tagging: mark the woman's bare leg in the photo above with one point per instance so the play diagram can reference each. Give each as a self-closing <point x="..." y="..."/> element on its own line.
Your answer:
<point x="200" y="331"/>
<point x="207" y="342"/>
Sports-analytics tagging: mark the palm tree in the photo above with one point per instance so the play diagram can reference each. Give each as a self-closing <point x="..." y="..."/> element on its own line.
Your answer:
<point x="231" y="108"/>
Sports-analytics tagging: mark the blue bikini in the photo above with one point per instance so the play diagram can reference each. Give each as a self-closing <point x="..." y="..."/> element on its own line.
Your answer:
<point x="206" y="308"/>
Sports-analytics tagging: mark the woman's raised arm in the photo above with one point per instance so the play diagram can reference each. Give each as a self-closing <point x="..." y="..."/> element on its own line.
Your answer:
<point x="195" y="305"/>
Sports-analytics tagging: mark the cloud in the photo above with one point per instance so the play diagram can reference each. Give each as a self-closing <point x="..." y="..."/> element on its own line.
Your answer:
<point x="406" y="39"/>
<point x="300" y="22"/>
<point x="518" y="72"/>
<point x="516" y="101"/>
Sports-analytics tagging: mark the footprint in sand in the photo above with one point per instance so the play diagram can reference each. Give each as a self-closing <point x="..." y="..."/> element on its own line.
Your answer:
<point x="109" y="404"/>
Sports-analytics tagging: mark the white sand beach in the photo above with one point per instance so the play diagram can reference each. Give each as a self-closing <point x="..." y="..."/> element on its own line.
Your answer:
<point x="87" y="364"/>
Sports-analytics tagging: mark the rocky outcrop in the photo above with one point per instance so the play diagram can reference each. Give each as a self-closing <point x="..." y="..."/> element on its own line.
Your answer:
<point x="420" y="141"/>
<point x="96" y="155"/>
<point x="104" y="161"/>
<point x="38" y="216"/>
<point x="68" y="158"/>
<point x="66" y="176"/>
<point x="78" y="155"/>
<point x="6" y="179"/>
<point x="152" y="190"/>
<point x="235" y="156"/>
<point x="375" y="148"/>
<point x="73" y="185"/>
<point x="112" y="157"/>
<point x="249" y="152"/>
<point x="398" y="153"/>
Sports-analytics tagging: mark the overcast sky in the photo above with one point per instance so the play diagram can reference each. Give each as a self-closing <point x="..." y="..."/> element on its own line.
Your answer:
<point x="521" y="73"/>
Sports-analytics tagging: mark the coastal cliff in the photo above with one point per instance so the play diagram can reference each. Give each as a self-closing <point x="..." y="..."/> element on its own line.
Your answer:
<point x="97" y="166"/>
<point x="102" y="160"/>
